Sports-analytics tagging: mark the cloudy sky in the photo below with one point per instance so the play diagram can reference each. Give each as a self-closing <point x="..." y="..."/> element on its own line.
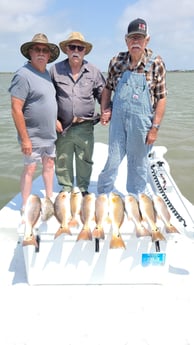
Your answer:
<point x="103" y="23"/>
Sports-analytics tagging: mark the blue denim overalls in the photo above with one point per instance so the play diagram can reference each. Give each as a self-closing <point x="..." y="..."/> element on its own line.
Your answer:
<point x="131" y="120"/>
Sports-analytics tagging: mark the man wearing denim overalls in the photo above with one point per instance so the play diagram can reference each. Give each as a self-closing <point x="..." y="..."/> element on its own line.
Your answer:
<point x="137" y="78"/>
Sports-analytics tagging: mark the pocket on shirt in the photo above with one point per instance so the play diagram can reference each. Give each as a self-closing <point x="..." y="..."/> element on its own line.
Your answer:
<point x="86" y="88"/>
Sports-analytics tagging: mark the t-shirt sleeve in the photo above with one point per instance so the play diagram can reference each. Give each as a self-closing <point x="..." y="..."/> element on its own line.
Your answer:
<point x="19" y="87"/>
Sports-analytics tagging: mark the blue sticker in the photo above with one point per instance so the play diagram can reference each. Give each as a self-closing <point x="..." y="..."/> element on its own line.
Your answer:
<point x="154" y="259"/>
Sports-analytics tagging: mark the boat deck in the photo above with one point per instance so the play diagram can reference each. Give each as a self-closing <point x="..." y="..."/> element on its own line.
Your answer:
<point x="154" y="311"/>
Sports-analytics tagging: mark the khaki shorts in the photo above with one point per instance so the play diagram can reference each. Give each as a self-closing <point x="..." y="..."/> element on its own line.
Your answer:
<point x="38" y="153"/>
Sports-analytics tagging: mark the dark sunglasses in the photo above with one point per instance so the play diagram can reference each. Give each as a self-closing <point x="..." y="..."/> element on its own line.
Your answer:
<point x="73" y="47"/>
<point x="41" y="50"/>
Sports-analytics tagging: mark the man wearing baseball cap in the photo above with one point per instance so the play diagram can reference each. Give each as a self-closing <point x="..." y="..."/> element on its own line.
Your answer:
<point x="137" y="78"/>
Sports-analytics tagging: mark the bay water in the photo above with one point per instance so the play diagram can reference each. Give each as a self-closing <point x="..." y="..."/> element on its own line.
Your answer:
<point x="176" y="133"/>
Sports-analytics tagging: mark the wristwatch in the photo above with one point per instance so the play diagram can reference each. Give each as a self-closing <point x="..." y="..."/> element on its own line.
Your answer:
<point x="155" y="125"/>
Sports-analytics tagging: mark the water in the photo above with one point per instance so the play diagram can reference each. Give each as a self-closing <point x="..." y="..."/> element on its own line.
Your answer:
<point x="176" y="134"/>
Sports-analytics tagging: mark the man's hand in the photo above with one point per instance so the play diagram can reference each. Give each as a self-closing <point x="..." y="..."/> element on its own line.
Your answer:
<point x="26" y="147"/>
<point x="59" y="127"/>
<point x="152" y="136"/>
<point x="105" y="116"/>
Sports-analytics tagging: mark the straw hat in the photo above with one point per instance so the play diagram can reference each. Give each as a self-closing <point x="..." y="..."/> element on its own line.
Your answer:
<point x="40" y="38"/>
<point x="75" y="36"/>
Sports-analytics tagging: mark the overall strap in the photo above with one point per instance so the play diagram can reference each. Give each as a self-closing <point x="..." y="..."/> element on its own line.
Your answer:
<point x="149" y="63"/>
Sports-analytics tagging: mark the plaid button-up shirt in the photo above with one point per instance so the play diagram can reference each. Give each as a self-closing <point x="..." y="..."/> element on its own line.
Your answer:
<point x="156" y="76"/>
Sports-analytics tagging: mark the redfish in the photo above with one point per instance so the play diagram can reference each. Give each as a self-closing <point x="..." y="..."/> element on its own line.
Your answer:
<point x="47" y="209"/>
<point x="133" y="213"/>
<point x="101" y="215"/>
<point x="62" y="213"/>
<point x="31" y="216"/>
<point x="116" y="214"/>
<point x="148" y="214"/>
<point x="164" y="214"/>
<point x="87" y="217"/>
<point x="75" y="206"/>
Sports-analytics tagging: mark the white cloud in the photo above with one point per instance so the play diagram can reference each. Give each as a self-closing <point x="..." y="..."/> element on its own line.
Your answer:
<point x="14" y="7"/>
<point x="171" y="27"/>
<point x="19" y="15"/>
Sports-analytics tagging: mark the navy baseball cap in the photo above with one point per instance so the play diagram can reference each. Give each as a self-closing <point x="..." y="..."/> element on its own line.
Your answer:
<point x="137" y="26"/>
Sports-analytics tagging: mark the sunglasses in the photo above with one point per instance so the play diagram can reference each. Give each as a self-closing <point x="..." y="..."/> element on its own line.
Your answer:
<point x="73" y="47"/>
<point x="41" y="50"/>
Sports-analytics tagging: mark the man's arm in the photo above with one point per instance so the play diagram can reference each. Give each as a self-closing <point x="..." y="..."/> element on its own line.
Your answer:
<point x="105" y="106"/>
<point x="159" y="114"/>
<point x="18" y="117"/>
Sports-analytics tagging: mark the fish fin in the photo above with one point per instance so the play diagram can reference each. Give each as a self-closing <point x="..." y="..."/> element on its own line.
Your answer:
<point x="142" y="231"/>
<point x="171" y="228"/>
<point x="117" y="242"/>
<point x="62" y="230"/>
<point x="98" y="232"/>
<point x="157" y="235"/>
<point x="30" y="240"/>
<point x="85" y="235"/>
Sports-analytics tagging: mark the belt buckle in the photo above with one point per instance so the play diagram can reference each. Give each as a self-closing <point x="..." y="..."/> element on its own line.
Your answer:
<point x="77" y="119"/>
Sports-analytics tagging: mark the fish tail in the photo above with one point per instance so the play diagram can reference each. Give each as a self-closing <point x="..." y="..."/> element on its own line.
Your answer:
<point x="117" y="242"/>
<point x="30" y="240"/>
<point x="73" y="223"/>
<point x="171" y="229"/>
<point x="157" y="235"/>
<point x="85" y="235"/>
<point x="63" y="230"/>
<point x="98" y="232"/>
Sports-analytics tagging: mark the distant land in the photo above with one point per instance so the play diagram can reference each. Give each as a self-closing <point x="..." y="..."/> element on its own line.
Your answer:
<point x="171" y="71"/>
<point x="181" y="70"/>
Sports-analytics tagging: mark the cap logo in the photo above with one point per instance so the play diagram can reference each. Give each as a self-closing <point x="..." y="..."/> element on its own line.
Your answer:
<point x="142" y="26"/>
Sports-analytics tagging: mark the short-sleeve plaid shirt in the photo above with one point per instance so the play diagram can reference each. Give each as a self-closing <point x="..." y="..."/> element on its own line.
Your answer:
<point x="156" y="76"/>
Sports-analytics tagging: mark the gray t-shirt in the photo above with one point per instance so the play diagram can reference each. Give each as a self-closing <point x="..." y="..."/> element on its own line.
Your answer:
<point x="76" y="98"/>
<point x="40" y="107"/>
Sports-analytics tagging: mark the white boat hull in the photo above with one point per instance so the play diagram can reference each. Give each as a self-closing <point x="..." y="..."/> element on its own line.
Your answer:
<point x="66" y="261"/>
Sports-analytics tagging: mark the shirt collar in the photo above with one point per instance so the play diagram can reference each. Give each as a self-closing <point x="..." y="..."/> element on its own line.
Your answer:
<point x="144" y="59"/>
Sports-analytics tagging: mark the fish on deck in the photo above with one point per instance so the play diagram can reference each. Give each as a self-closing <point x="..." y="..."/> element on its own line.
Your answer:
<point x="101" y="215"/>
<point x="148" y="214"/>
<point x="87" y="217"/>
<point x="47" y="209"/>
<point x="116" y="214"/>
<point x="62" y="213"/>
<point x="133" y="213"/>
<point x="75" y="206"/>
<point x="30" y="217"/>
<point x="164" y="214"/>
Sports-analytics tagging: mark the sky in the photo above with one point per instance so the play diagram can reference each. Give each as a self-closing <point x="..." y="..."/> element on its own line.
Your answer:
<point x="103" y="23"/>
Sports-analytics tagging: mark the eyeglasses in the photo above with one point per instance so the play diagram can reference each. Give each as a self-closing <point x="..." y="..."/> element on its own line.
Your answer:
<point x="41" y="50"/>
<point x="136" y="37"/>
<point x="73" y="47"/>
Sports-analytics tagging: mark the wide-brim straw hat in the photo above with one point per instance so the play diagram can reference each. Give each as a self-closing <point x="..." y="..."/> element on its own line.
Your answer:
<point x="75" y="36"/>
<point x="40" y="38"/>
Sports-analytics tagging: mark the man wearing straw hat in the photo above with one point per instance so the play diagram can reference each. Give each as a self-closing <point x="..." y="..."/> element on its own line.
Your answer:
<point x="78" y="86"/>
<point x="34" y="111"/>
